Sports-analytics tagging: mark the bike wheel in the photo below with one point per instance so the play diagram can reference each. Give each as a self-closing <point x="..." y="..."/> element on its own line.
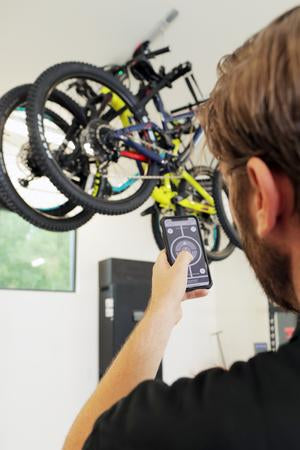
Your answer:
<point x="212" y="254"/>
<point x="41" y="204"/>
<point x="220" y="194"/>
<point x="156" y="214"/>
<point x="3" y="206"/>
<point x="156" y="229"/>
<point x="217" y="244"/>
<point x="124" y="185"/>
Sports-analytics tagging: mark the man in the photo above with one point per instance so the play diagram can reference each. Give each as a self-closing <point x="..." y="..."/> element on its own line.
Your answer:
<point x="252" y="124"/>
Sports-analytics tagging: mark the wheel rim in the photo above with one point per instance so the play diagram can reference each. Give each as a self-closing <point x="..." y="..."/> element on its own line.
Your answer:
<point x="113" y="193"/>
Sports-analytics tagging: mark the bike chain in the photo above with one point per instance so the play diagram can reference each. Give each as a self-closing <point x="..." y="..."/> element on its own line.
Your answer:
<point x="143" y="177"/>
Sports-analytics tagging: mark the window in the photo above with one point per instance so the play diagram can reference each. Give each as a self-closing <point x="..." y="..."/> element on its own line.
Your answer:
<point x="35" y="259"/>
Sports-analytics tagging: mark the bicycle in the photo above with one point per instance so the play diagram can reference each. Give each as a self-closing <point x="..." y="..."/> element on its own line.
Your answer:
<point x="137" y="144"/>
<point x="164" y="194"/>
<point x="23" y="187"/>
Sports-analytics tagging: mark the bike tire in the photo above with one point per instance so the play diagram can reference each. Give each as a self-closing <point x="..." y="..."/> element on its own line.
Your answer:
<point x="3" y="205"/>
<point x="37" y="98"/>
<point x="215" y="254"/>
<point x="10" y="196"/>
<point x="218" y="186"/>
<point x="155" y="225"/>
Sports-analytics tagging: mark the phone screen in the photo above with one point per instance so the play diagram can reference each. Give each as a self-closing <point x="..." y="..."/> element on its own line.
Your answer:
<point x="183" y="233"/>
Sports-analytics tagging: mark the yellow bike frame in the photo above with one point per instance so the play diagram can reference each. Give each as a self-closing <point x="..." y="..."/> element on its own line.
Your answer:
<point x="164" y="194"/>
<point x="117" y="103"/>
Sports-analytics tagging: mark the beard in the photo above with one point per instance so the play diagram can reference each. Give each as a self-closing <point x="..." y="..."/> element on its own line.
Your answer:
<point x="272" y="266"/>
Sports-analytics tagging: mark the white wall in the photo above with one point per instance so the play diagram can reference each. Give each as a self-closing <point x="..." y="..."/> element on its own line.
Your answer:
<point x="48" y="342"/>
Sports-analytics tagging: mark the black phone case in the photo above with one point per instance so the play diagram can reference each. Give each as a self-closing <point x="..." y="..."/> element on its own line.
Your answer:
<point x="162" y="223"/>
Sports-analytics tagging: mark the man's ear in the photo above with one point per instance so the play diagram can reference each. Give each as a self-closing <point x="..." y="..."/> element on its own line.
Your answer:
<point x="265" y="196"/>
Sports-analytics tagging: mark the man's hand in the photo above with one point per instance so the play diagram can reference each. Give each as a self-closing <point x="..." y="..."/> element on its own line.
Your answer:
<point x="139" y="358"/>
<point x="169" y="285"/>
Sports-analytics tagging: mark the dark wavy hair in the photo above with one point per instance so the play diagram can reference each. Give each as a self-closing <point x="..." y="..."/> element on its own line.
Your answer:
<point x="254" y="108"/>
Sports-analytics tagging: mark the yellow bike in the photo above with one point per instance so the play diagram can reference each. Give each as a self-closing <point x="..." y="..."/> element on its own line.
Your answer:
<point x="191" y="193"/>
<point x="125" y="154"/>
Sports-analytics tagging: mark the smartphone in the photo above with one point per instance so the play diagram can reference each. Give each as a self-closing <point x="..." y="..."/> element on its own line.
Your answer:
<point x="183" y="233"/>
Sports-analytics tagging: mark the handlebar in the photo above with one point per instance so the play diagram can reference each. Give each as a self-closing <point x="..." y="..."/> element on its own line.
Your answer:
<point x="179" y="71"/>
<point x="142" y="51"/>
<point x="142" y="69"/>
<point x="160" y="51"/>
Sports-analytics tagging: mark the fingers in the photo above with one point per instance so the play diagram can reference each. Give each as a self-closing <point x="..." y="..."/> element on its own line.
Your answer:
<point x="183" y="259"/>
<point x="162" y="261"/>
<point x="195" y="294"/>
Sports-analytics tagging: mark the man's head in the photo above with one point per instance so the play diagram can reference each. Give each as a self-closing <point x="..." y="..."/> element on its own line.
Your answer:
<point x="252" y="125"/>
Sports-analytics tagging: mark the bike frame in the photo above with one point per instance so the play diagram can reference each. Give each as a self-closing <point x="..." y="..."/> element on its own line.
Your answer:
<point x="163" y="194"/>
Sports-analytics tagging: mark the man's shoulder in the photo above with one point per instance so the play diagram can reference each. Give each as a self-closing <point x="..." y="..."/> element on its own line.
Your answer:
<point x="217" y="408"/>
<point x="264" y="373"/>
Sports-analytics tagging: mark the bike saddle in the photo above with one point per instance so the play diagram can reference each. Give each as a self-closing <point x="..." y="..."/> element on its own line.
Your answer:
<point x="142" y="70"/>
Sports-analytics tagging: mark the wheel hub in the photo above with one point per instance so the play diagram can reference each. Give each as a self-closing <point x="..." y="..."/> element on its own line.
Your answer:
<point x="97" y="140"/>
<point x="27" y="160"/>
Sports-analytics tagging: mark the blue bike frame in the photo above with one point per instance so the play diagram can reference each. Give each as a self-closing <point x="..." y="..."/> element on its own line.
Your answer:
<point x="122" y="133"/>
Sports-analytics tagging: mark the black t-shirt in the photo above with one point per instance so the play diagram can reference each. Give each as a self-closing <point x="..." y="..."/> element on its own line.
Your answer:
<point x="255" y="405"/>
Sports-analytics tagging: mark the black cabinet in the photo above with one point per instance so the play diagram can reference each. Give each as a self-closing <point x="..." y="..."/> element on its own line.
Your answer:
<point x="125" y="287"/>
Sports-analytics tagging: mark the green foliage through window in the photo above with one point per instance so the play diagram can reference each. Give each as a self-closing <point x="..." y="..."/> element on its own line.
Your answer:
<point x="31" y="258"/>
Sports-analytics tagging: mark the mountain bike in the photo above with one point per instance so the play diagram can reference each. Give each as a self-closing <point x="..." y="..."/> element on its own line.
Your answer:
<point x="127" y="153"/>
<point x="217" y="244"/>
<point x="141" y="70"/>
<point x="23" y="187"/>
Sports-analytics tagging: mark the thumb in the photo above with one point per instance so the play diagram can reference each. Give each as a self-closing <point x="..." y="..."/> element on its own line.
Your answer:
<point x="183" y="260"/>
